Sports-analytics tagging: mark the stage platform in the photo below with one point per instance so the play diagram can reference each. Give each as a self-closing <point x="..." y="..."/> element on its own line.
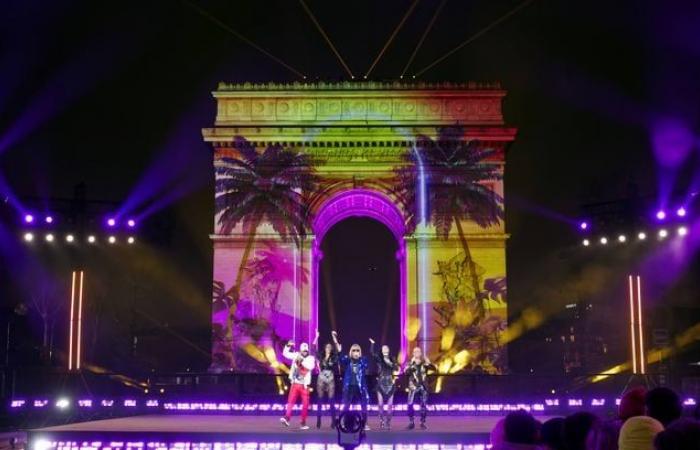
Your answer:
<point x="220" y="432"/>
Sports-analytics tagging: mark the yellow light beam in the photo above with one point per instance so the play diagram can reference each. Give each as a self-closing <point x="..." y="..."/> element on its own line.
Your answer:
<point x="226" y="27"/>
<point x="392" y="36"/>
<point x="325" y="36"/>
<point x="474" y="37"/>
<point x="422" y="38"/>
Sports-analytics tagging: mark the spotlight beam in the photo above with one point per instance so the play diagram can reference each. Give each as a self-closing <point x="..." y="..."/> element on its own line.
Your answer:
<point x="476" y="36"/>
<point x="202" y="12"/>
<point x="327" y="39"/>
<point x="392" y="36"/>
<point x="422" y="38"/>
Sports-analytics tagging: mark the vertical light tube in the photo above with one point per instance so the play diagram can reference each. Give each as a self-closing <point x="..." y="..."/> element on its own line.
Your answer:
<point x="404" y="296"/>
<point x="639" y="321"/>
<point x="70" y="332"/>
<point x="294" y="296"/>
<point x="313" y="263"/>
<point x="422" y="224"/>
<point x="632" y="331"/>
<point x="80" y="323"/>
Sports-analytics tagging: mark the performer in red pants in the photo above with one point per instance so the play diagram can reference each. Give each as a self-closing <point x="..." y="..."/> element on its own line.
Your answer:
<point x="300" y="377"/>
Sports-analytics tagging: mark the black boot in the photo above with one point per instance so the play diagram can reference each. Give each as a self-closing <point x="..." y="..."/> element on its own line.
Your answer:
<point x="411" y="423"/>
<point x="318" y="421"/>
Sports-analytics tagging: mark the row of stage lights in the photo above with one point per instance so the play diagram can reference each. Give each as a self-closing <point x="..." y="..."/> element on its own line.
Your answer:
<point x="111" y="222"/>
<point x="660" y="215"/>
<point x="662" y="234"/>
<point x="69" y="238"/>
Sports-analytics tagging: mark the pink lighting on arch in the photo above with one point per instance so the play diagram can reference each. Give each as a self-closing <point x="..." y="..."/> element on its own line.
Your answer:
<point x="360" y="203"/>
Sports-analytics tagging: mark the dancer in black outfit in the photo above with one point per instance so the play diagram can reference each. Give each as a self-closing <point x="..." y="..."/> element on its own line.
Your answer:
<point x="386" y="386"/>
<point x="417" y="372"/>
<point x="325" y="384"/>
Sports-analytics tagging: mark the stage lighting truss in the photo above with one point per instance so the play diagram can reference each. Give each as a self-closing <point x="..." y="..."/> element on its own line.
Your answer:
<point x="68" y="238"/>
<point x="659" y="234"/>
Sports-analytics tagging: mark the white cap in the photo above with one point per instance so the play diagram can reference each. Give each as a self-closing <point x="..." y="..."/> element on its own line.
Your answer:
<point x="304" y="347"/>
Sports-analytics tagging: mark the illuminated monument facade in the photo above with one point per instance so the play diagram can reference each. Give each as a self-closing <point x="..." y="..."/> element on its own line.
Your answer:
<point x="292" y="160"/>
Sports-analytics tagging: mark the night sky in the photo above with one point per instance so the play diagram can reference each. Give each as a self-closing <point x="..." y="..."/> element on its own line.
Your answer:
<point x="115" y="94"/>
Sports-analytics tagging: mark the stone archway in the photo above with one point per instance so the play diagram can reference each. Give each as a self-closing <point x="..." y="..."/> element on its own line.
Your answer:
<point x="356" y="136"/>
<point x="360" y="203"/>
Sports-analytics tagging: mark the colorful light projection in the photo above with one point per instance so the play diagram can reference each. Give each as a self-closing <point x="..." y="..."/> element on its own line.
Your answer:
<point x="359" y="150"/>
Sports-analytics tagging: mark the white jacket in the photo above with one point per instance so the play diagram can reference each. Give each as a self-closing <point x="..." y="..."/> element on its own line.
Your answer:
<point x="299" y="373"/>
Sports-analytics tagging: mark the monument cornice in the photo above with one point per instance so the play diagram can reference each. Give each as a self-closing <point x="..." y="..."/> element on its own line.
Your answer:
<point x="350" y="104"/>
<point x="330" y="136"/>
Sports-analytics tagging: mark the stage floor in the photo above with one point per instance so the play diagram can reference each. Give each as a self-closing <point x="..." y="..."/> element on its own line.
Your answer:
<point x="263" y="429"/>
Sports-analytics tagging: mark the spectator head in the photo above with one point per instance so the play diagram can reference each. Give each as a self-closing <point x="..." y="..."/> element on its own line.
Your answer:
<point x="683" y="434"/>
<point x="576" y="429"/>
<point x="632" y="403"/>
<point x="664" y="405"/>
<point x="638" y="433"/>
<point x="498" y="434"/>
<point x="603" y="436"/>
<point x="551" y="434"/>
<point x="521" y="428"/>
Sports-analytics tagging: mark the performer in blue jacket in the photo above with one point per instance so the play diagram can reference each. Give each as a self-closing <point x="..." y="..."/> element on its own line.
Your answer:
<point x="354" y="379"/>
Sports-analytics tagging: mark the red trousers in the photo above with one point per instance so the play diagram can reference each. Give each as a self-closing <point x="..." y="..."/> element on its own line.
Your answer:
<point x="296" y="390"/>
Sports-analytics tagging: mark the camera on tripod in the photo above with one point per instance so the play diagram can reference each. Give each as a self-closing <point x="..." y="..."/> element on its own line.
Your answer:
<point x="351" y="429"/>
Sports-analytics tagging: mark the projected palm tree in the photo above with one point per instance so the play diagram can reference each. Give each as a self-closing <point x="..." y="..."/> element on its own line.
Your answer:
<point x="449" y="181"/>
<point x="256" y="188"/>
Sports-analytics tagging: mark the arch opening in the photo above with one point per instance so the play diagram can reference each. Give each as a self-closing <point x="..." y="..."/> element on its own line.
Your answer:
<point x="368" y="204"/>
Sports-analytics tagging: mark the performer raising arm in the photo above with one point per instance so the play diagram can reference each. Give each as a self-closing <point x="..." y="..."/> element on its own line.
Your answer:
<point x="417" y="372"/>
<point x="300" y="377"/>
<point x="386" y="366"/>
<point x="354" y="382"/>
<point x="325" y="384"/>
